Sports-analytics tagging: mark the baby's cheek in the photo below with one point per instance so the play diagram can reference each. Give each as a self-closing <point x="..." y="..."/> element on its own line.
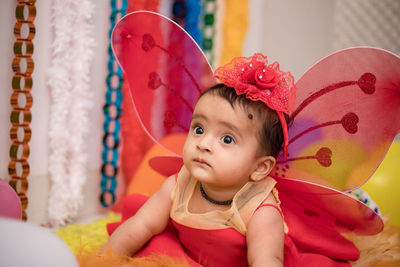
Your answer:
<point x="186" y="152"/>
<point x="237" y="164"/>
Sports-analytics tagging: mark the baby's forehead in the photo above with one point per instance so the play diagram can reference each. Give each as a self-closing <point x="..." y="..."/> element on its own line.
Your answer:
<point x="251" y="110"/>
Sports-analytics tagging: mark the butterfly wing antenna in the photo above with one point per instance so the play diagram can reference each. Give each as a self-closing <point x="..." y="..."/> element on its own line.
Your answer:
<point x="347" y="115"/>
<point x="166" y="72"/>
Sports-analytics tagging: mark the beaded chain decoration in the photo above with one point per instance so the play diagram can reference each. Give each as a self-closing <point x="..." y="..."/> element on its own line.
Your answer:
<point x="112" y="112"/>
<point x="21" y="100"/>
<point x="209" y="9"/>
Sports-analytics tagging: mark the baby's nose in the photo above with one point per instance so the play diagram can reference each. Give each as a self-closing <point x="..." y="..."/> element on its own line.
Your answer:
<point x="205" y="144"/>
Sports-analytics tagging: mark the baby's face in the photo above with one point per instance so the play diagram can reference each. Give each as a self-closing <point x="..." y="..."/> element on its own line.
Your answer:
<point x="221" y="147"/>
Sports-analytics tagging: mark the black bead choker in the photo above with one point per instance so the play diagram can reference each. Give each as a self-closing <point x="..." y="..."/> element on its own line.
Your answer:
<point x="223" y="203"/>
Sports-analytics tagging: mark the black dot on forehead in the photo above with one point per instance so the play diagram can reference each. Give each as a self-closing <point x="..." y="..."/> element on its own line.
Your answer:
<point x="250" y="116"/>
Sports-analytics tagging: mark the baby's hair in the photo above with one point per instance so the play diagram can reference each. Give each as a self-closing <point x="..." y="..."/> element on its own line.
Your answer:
<point x="270" y="134"/>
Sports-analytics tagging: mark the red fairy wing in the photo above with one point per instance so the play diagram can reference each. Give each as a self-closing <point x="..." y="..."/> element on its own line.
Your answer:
<point x="166" y="165"/>
<point x="319" y="205"/>
<point x="165" y="69"/>
<point x="316" y="216"/>
<point x="347" y="115"/>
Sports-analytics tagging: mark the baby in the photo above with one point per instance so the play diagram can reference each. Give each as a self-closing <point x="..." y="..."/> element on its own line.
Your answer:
<point x="223" y="206"/>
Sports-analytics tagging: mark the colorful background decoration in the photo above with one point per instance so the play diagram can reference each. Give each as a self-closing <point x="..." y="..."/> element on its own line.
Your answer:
<point x="80" y="146"/>
<point x="112" y="112"/>
<point x="21" y="116"/>
<point x="72" y="100"/>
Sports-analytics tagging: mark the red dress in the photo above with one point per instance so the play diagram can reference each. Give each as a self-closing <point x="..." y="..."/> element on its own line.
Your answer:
<point x="226" y="246"/>
<point x="210" y="248"/>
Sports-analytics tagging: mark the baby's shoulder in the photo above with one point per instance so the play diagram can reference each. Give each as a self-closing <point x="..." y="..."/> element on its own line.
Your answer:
<point x="168" y="185"/>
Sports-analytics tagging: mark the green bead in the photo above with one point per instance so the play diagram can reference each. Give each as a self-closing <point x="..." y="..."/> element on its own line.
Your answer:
<point x="207" y="44"/>
<point x="209" y="19"/>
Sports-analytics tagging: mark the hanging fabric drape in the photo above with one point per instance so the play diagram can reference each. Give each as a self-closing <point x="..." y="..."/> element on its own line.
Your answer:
<point x="234" y="29"/>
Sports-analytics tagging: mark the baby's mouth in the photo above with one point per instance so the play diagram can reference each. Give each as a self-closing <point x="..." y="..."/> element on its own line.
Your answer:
<point x="202" y="162"/>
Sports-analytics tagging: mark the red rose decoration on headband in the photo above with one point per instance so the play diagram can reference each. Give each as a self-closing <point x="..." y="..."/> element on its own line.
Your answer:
<point x="259" y="81"/>
<point x="266" y="78"/>
<point x="259" y="75"/>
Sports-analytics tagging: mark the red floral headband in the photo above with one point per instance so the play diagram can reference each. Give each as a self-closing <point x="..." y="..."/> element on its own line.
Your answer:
<point x="259" y="81"/>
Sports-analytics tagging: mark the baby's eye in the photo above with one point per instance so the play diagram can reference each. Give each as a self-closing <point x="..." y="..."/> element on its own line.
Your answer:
<point x="198" y="130"/>
<point x="227" y="139"/>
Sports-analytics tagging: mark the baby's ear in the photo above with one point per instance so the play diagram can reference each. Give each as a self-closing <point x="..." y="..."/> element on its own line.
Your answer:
<point x="263" y="168"/>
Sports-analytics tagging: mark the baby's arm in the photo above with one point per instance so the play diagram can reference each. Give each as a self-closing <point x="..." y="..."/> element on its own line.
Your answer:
<point x="265" y="236"/>
<point x="151" y="219"/>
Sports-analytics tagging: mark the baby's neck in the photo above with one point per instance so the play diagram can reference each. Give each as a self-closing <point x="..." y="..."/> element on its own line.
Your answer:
<point x="198" y="204"/>
<point x="219" y="193"/>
